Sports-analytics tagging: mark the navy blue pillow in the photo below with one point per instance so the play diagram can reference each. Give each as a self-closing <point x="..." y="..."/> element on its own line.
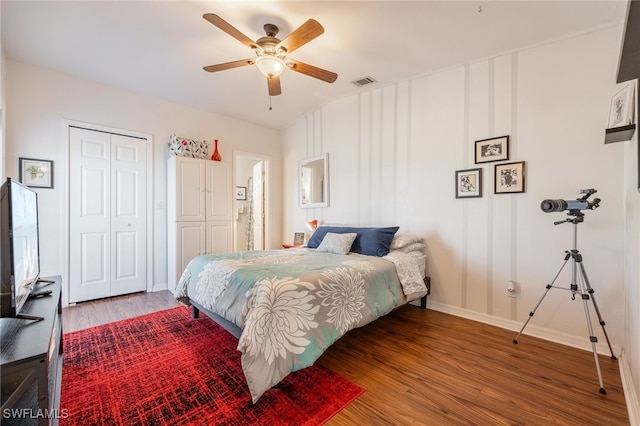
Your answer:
<point x="369" y="241"/>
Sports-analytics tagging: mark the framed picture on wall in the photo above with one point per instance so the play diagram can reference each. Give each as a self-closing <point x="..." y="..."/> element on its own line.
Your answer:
<point x="621" y="110"/>
<point x="241" y="192"/>
<point x="509" y="177"/>
<point x="493" y="149"/>
<point x="469" y="183"/>
<point x="36" y="173"/>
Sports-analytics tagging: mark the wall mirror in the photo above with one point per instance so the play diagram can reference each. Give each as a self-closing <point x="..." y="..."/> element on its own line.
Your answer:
<point x="313" y="174"/>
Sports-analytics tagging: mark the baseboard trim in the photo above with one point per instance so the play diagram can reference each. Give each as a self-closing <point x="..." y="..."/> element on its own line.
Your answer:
<point x="579" y="342"/>
<point x="160" y="287"/>
<point x="630" y="393"/>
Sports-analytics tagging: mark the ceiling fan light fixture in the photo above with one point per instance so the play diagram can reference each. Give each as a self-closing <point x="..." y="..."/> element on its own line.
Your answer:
<point x="270" y="65"/>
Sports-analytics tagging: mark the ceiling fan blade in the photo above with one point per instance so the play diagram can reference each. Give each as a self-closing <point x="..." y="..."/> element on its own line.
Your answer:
<point x="312" y="71"/>
<point x="228" y="65"/>
<point x="274" y="86"/>
<point x="229" y="29"/>
<point x="302" y="35"/>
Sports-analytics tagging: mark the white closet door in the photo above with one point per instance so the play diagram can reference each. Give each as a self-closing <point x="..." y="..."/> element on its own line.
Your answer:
<point x="107" y="241"/>
<point x="128" y="215"/>
<point x="89" y="215"/>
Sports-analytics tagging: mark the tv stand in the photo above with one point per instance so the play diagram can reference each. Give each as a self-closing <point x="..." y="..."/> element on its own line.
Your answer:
<point x="31" y="361"/>
<point x="29" y="317"/>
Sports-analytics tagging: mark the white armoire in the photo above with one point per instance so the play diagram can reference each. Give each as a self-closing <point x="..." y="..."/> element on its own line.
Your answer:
<point x="199" y="211"/>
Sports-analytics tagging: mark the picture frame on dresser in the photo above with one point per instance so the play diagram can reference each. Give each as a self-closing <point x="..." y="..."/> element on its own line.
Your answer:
<point x="298" y="238"/>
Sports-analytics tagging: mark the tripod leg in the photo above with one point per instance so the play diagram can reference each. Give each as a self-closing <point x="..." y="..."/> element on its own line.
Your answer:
<point x="595" y="305"/>
<point x="549" y="286"/>
<point x="592" y="338"/>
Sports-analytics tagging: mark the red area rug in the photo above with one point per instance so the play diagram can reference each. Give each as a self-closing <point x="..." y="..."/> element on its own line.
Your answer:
<point x="167" y="369"/>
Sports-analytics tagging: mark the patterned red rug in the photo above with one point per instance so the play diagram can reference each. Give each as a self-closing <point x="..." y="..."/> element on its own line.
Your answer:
<point x="165" y="368"/>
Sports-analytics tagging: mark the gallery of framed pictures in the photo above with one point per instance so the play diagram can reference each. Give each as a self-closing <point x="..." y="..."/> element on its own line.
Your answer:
<point x="508" y="178"/>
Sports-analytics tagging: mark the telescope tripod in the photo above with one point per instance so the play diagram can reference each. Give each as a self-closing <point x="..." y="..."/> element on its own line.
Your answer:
<point x="579" y="285"/>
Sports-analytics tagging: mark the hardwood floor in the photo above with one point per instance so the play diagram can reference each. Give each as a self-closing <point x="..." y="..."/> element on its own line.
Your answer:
<point x="423" y="367"/>
<point x="97" y="312"/>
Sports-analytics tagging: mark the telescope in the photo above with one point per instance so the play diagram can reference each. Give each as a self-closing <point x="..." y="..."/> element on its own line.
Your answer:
<point x="558" y="205"/>
<point x="579" y="281"/>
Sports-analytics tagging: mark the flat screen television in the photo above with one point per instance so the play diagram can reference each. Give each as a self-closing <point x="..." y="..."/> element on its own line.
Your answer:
<point x="19" y="246"/>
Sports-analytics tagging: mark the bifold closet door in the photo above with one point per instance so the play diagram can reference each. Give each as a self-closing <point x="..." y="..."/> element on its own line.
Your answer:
<point x="107" y="214"/>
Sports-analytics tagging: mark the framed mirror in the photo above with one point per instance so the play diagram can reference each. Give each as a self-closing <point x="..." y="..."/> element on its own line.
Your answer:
<point x="313" y="174"/>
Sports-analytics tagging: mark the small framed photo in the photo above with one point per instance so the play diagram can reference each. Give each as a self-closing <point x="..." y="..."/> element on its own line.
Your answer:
<point x="36" y="173"/>
<point x="298" y="238"/>
<point x="241" y="192"/>
<point x="469" y="183"/>
<point x="621" y="110"/>
<point x="509" y="177"/>
<point x="493" y="149"/>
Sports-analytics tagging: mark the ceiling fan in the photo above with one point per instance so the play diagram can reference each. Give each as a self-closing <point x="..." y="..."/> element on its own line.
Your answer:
<point x="271" y="52"/>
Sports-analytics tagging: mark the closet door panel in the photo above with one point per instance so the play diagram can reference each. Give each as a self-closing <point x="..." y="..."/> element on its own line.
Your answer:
<point x="128" y="215"/>
<point x="89" y="217"/>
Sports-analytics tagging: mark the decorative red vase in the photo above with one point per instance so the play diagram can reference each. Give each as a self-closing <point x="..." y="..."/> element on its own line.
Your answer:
<point x="216" y="155"/>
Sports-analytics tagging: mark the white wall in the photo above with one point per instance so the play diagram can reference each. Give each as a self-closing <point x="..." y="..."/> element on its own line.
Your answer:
<point x="394" y="150"/>
<point x="631" y="359"/>
<point x="38" y="100"/>
<point x="2" y="105"/>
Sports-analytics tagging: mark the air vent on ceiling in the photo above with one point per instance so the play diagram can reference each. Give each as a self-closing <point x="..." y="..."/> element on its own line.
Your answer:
<point x="364" y="81"/>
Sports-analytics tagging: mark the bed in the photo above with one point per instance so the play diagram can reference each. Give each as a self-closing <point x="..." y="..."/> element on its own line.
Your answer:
<point x="286" y="307"/>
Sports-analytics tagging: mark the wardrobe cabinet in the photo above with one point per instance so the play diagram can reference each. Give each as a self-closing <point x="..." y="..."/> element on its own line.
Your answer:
<point x="199" y="211"/>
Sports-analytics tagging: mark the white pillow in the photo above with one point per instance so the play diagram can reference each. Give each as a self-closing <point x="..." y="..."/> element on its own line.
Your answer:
<point x="337" y="243"/>
<point x="401" y="240"/>
<point x="412" y="247"/>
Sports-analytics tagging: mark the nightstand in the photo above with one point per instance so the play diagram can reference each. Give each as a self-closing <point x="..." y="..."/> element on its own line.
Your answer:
<point x="288" y="246"/>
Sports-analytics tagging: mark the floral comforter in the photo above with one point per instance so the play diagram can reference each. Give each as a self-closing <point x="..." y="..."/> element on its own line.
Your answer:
<point x="293" y="304"/>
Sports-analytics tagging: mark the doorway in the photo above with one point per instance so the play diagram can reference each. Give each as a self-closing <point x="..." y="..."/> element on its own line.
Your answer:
<point x="251" y="204"/>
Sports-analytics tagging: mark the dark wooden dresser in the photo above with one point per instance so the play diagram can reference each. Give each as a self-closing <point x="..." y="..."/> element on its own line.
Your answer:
<point x="31" y="360"/>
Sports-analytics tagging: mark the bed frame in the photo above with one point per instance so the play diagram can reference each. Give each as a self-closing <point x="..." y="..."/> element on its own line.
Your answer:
<point x="224" y="323"/>
<point x="237" y="331"/>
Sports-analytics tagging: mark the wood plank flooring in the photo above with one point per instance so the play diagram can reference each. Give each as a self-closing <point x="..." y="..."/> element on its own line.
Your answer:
<point x="423" y="367"/>
<point x="102" y="311"/>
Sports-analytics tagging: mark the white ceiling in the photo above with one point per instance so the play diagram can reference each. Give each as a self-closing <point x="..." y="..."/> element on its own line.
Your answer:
<point x="158" y="48"/>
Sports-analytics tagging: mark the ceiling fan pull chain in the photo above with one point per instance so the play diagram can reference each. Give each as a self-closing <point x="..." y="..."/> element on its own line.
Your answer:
<point x="270" y="103"/>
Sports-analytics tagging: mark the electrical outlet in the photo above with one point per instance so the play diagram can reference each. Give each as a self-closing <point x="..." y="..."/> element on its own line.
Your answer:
<point x="512" y="289"/>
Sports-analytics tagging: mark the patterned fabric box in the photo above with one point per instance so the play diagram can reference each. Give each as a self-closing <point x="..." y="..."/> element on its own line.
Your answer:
<point x="184" y="147"/>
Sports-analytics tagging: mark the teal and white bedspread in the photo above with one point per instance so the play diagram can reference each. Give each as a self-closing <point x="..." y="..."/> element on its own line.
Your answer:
<point x="293" y="304"/>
